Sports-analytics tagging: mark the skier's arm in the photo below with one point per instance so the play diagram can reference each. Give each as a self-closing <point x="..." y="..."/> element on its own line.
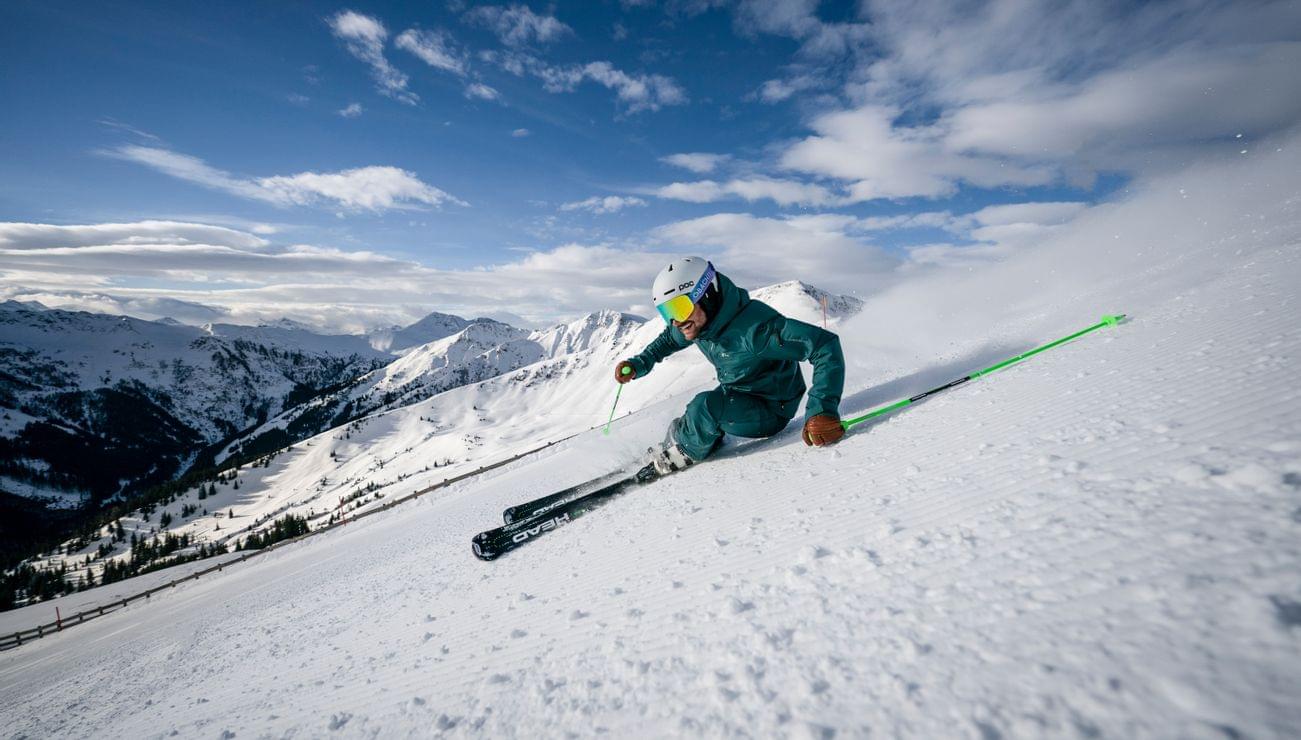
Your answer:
<point x="788" y="339"/>
<point x="669" y="341"/>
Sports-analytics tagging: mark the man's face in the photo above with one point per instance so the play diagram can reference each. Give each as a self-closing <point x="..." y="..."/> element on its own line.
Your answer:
<point x="694" y="323"/>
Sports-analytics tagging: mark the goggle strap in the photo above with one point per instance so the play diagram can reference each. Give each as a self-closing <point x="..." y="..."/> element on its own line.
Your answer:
<point x="703" y="284"/>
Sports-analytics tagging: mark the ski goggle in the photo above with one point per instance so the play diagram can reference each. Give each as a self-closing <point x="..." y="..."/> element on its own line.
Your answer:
<point x="679" y="307"/>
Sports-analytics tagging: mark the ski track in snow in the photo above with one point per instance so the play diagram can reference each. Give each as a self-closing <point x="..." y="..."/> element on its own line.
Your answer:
<point x="1102" y="541"/>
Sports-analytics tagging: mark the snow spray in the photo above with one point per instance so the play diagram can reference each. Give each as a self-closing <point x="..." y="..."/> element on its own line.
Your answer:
<point x="1108" y="320"/>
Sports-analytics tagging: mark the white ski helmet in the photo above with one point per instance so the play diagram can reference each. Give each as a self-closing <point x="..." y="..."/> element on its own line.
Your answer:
<point x="681" y="285"/>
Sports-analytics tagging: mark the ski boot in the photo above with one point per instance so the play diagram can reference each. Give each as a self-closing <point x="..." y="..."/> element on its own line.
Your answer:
<point x="667" y="458"/>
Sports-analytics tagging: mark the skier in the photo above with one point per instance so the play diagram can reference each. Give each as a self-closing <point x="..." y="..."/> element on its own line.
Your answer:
<point x="756" y="352"/>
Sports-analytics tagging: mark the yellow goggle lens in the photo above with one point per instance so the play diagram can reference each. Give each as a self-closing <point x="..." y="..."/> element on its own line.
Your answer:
<point x="677" y="308"/>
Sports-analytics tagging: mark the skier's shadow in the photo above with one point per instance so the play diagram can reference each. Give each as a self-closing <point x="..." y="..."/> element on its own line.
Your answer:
<point x="908" y="386"/>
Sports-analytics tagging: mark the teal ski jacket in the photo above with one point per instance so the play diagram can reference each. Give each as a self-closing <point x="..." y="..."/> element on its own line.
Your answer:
<point x="756" y="350"/>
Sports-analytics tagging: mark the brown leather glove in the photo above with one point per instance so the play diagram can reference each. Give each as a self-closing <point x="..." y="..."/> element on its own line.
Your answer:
<point x="620" y="376"/>
<point x="823" y="429"/>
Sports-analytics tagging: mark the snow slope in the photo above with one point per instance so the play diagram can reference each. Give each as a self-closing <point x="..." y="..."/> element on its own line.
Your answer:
<point x="1102" y="541"/>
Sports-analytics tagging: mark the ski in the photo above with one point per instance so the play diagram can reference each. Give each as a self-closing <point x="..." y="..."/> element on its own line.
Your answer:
<point x="546" y="503"/>
<point x="494" y="543"/>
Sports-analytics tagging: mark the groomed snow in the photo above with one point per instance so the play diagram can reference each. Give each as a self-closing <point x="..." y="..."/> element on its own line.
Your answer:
<point x="1102" y="541"/>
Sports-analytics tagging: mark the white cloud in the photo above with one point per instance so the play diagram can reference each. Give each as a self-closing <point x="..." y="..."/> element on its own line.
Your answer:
<point x="18" y="236"/>
<point x="637" y="93"/>
<point x="254" y="226"/>
<point x="191" y="169"/>
<point x="687" y="8"/>
<point x="362" y="188"/>
<point x="247" y="280"/>
<point x="760" y="251"/>
<point x="375" y="188"/>
<point x="1010" y="225"/>
<point x="520" y="133"/>
<point x="775" y="91"/>
<point x="364" y="38"/>
<point x="951" y="255"/>
<point x="517" y="25"/>
<point x="924" y="220"/>
<point x="516" y="63"/>
<point x="1021" y="224"/>
<point x="1185" y="96"/>
<point x="352" y="111"/>
<point x="781" y="192"/>
<point x="98" y="254"/>
<point x="1000" y="231"/>
<point x="481" y="91"/>
<point x="1087" y="87"/>
<point x="435" y="48"/>
<point x="132" y="130"/>
<point x="150" y="308"/>
<point x="608" y="204"/>
<point x="701" y="191"/>
<point x="698" y="162"/>
<point x="936" y="98"/>
<point x="883" y="160"/>
<point x="797" y="19"/>
<point x="1045" y="214"/>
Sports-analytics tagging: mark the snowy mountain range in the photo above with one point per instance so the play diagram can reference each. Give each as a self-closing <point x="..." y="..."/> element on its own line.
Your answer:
<point x="482" y="350"/>
<point x="96" y="405"/>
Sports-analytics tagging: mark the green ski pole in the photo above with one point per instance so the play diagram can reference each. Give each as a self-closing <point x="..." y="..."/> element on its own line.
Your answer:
<point x="1106" y="321"/>
<point x="626" y="371"/>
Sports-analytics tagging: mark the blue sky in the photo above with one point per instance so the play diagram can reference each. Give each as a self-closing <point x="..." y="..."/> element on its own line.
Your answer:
<point x="354" y="164"/>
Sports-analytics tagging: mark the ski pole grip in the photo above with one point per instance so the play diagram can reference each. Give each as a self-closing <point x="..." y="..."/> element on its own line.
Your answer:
<point x="626" y="371"/>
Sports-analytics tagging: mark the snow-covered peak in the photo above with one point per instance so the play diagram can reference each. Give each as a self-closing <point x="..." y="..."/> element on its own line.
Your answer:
<point x="284" y="323"/>
<point x="15" y="305"/>
<point x="474" y="338"/>
<point x="432" y="327"/>
<point x="480" y="350"/>
<point x="802" y="301"/>
<point x="602" y="328"/>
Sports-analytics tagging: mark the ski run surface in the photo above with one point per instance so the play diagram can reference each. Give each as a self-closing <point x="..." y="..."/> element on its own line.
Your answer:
<point x="1102" y="541"/>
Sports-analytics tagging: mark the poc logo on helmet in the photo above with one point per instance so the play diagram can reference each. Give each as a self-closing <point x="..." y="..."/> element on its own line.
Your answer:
<point x="686" y="285"/>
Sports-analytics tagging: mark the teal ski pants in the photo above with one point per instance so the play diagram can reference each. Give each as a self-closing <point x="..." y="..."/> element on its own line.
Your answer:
<point x="713" y="414"/>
